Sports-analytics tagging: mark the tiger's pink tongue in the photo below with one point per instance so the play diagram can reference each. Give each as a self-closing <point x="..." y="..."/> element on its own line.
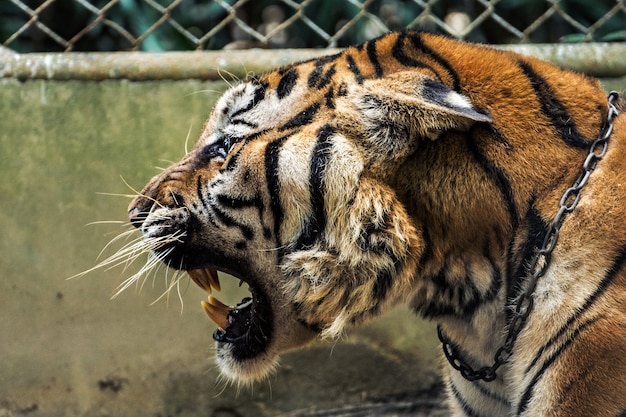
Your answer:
<point x="216" y="310"/>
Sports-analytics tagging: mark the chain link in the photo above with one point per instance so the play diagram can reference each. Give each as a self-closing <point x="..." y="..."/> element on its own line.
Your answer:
<point x="540" y="263"/>
<point x="154" y="25"/>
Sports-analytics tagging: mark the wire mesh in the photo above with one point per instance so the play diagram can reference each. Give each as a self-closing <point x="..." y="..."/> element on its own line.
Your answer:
<point x="167" y="25"/>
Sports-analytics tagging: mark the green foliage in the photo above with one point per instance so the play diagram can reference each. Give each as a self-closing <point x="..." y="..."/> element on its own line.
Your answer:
<point x="136" y="24"/>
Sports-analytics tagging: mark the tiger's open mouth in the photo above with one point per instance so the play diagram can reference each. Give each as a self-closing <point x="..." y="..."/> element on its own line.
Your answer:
<point x="246" y="326"/>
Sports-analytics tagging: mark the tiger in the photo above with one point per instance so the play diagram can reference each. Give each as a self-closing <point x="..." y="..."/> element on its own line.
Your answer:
<point x="482" y="188"/>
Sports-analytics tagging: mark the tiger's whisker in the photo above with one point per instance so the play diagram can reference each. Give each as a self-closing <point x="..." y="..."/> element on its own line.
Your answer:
<point x="121" y="222"/>
<point x="138" y="193"/>
<point x="187" y="140"/>
<point x="171" y="283"/>
<point x="152" y="262"/>
<point x="124" y="235"/>
<point x="277" y="248"/>
<point x="117" y="195"/>
<point x="219" y="72"/>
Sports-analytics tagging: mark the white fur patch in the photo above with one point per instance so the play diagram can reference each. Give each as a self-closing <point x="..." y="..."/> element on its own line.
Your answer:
<point x="294" y="171"/>
<point x="269" y="113"/>
<point x="457" y="100"/>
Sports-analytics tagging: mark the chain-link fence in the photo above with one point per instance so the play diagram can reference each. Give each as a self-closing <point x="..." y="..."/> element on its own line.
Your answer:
<point x="167" y="25"/>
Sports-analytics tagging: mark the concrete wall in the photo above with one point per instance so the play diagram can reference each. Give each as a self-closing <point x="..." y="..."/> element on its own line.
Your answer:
<point x="67" y="349"/>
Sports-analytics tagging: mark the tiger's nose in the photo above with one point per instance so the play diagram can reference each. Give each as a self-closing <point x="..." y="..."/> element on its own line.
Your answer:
<point x="137" y="216"/>
<point x="139" y="209"/>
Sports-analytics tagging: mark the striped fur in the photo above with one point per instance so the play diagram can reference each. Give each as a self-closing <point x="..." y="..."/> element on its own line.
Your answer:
<point x="413" y="169"/>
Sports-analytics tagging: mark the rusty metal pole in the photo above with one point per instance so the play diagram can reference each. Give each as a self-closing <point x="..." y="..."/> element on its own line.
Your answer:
<point x="595" y="59"/>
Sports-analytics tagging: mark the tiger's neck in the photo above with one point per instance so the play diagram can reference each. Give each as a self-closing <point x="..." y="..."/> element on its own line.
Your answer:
<point x="480" y="232"/>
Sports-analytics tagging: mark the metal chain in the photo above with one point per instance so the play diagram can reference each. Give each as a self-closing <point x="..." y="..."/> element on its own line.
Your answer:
<point x="539" y="264"/>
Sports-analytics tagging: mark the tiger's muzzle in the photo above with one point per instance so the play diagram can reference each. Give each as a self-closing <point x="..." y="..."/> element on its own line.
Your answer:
<point x="191" y="233"/>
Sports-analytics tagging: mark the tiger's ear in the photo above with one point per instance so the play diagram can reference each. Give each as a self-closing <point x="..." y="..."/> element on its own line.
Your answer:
<point x="414" y="105"/>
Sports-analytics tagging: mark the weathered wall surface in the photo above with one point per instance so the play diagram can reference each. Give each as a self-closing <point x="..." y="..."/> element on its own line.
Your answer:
<point x="67" y="349"/>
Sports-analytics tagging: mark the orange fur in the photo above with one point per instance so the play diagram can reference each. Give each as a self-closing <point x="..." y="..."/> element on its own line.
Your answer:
<point x="413" y="169"/>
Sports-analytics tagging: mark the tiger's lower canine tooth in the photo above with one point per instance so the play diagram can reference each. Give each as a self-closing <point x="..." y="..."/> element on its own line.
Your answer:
<point x="205" y="278"/>
<point x="217" y="311"/>
<point x="218" y="304"/>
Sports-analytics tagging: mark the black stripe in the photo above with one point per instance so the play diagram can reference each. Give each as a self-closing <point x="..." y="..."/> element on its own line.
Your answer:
<point x="528" y="393"/>
<point x="203" y="200"/>
<point x="259" y="94"/>
<point x="315" y="74"/>
<point x="308" y="235"/>
<point x="229" y="221"/>
<point x="352" y="66"/>
<point x="286" y="83"/>
<point x="496" y="277"/>
<point x="490" y="394"/>
<point x="233" y="158"/>
<point x="314" y="327"/>
<point x="318" y="78"/>
<point x="462" y="298"/>
<point x="382" y="284"/>
<point x="398" y="53"/>
<point x="231" y="162"/>
<point x="316" y="223"/>
<point x="482" y="389"/>
<point x="606" y="281"/>
<point x="200" y="193"/>
<point x="371" y="54"/>
<point x="604" y="284"/>
<point x="239" y="202"/>
<point x="498" y="136"/>
<point x="417" y="42"/>
<point x="469" y="411"/>
<point x="622" y="414"/>
<point x="368" y="239"/>
<point x="330" y="98"/>
<point x="497" y="175"/>
<point x="323" y="60"/>
<point x="273" y="184"/>
<point x="325" y="78"/>
<point x="342" y="91"/>
<point x="517" y="266"/>
<point x="304" y="117"/>
<point x="552" y="108"/>
<point x="428" y="252"/>
<point x="319" y="161"/>
<point x="244" y="122"/>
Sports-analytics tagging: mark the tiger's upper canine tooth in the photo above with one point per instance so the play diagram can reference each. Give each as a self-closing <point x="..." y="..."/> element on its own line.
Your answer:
<point x="217" y="311"/>
<point x="205" y="278"/>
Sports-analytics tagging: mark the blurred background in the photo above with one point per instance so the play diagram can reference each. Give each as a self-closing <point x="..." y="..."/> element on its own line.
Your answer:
<point x="166" y="25"/>
<point x="79" y="133"/>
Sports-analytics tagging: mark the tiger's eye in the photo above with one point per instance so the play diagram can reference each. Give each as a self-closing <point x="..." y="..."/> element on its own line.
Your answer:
<point x="213" y="151"/>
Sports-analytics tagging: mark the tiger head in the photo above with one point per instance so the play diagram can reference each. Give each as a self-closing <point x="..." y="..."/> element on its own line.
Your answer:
<point x="290" y="188"/>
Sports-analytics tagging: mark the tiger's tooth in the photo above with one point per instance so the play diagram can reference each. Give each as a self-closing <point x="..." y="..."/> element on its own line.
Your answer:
<point x="217" y="311"/>
<point x="205" y="278"/>
<point x="213" y="279"/>
<point x="198" y="277"/>
<point x="218" y="304"/>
